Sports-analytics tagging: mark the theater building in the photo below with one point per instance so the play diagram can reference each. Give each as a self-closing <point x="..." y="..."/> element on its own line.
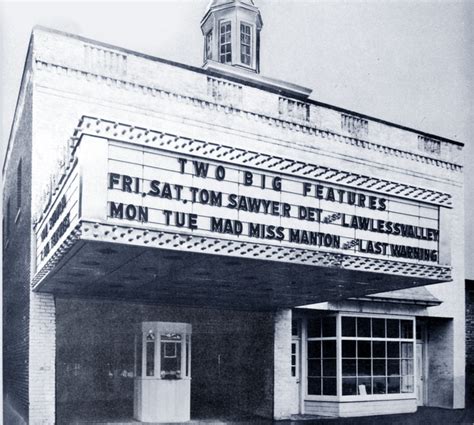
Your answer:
<point x="185" y="243"/>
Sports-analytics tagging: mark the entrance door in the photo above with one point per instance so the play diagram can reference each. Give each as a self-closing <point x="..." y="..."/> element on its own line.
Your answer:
<point x="420" y="373"/>
<point x="296" y="359"/>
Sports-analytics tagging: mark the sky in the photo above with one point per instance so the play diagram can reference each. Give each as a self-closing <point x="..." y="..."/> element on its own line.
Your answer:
<point x="406" y="61"/>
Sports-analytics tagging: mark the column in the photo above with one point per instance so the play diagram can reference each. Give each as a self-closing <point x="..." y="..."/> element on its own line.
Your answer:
<point x="285" y="396"/>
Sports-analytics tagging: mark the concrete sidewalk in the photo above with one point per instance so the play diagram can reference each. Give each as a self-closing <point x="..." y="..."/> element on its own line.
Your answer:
<point x="424" y="416"/>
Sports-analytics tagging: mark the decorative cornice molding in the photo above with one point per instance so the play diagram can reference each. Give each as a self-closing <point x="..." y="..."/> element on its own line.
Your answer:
<point x="171" y="142"/>
<point x="61" y="251"/>
<point x="269" y="120"/>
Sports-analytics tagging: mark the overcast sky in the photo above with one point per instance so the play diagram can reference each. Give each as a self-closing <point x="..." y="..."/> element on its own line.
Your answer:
<point x="410" y="62"/>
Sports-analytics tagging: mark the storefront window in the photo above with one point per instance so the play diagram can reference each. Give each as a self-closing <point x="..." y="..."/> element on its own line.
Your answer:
<point x="322" y="356"/>
<point x="377" y="356"/>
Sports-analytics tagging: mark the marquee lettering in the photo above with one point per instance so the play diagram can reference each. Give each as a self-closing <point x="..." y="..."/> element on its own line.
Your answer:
<point x="314" y="198"/>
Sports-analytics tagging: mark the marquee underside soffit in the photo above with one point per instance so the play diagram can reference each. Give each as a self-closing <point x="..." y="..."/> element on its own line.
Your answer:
<point x="182" y="270"/>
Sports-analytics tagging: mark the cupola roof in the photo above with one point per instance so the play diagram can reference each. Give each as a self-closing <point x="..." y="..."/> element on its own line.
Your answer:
<point x="215" y="3"/>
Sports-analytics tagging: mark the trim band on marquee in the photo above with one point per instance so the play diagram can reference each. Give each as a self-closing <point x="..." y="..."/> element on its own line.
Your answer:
<point x="127" y="133"/>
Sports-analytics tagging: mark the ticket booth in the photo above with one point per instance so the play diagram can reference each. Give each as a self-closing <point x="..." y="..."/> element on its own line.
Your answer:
<point x="162" y="388"/>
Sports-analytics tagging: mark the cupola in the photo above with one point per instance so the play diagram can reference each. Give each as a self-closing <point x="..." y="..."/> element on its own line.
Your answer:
<point x="231" y="30"/>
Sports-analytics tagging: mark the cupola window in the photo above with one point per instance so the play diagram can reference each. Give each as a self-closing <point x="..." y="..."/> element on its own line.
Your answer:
<point x="225" y="46"/>
<point x="209" y="45"/>
<point x="231" y="32"/>
<point x="245" y="44"/>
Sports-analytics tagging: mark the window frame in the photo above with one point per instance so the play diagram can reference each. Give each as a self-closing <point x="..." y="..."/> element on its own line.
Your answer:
<point x="355" y="398"/>
<point x="322" y="339"/>
<point x="295" y="365"/>
<point x="227" y="43"/>
<point x="208" y="45"/>
<point x="250" y="45"/>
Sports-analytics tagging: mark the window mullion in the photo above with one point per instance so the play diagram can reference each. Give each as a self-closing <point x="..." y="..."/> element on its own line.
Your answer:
<point x="338" y="356"/>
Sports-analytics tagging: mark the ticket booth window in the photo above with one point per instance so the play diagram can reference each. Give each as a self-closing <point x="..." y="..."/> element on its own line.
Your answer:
<point x="150" y="354"/>
<point x="171" y="356"/>
<point x="188" y="352"/>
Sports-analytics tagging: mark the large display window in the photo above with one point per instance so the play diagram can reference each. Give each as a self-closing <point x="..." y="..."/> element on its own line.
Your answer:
<point x="359" y="356"/>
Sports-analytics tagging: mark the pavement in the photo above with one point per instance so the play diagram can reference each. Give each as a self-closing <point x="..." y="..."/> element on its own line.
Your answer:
<point x="424" y="416"/>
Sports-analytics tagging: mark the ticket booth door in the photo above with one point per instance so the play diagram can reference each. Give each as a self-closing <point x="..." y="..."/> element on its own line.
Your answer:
<point x="162" y="388"/>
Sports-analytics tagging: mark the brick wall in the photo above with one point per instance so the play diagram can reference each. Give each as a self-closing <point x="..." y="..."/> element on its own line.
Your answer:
<point x="470" y="341"/>
<point x="42" y="377"/>
<point x="440" y="363"/>
<point x="16" y="261"/>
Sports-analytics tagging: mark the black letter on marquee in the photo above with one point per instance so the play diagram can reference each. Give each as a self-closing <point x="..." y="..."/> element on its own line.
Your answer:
<point x="126" y="183"/>
<point x="277" y="184"/>
<point x="193" y="221"/>
<point x="113" y="179"/>
<point x="306" y="188"/>
<point x="143" y="214"/>
<point x="182" y="161"/>
<point x="167" y="216"/>
<point x="116" y="210"/>
<point x="200" y="168"/>
<point x="220" y="173"/>
<point x="248" y="178"/>
<point x="155" y="189"/>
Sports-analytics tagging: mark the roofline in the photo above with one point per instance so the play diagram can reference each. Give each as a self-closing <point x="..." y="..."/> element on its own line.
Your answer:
<point x="375" y="298"/>
<point x="21" y="88"/>
<point x="390" y="123"/>
<point x="229" y="5"/>
<point x="204" y="72"/>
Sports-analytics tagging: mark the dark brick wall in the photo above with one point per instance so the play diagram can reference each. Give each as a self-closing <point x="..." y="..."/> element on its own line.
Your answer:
<point x="470" y="341"/>
<point x="440" y="363"/>
<point x="16" y="265"/>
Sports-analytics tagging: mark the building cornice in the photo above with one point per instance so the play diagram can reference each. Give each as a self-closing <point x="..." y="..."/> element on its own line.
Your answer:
<point x="200" y="70"/>
<point x="300" y="127"/>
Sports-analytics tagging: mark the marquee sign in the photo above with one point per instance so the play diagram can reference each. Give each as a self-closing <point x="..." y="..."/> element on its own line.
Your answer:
<point x="163" y="190"/>
<point x="59" y="219"/>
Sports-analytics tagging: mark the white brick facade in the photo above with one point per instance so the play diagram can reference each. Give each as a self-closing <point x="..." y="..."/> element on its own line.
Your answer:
<point x="285" y="397"/>
<point x="42" y="378"/>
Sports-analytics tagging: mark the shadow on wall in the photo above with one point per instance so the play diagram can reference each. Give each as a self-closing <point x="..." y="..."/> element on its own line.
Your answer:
<point x="10" y="415"/>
